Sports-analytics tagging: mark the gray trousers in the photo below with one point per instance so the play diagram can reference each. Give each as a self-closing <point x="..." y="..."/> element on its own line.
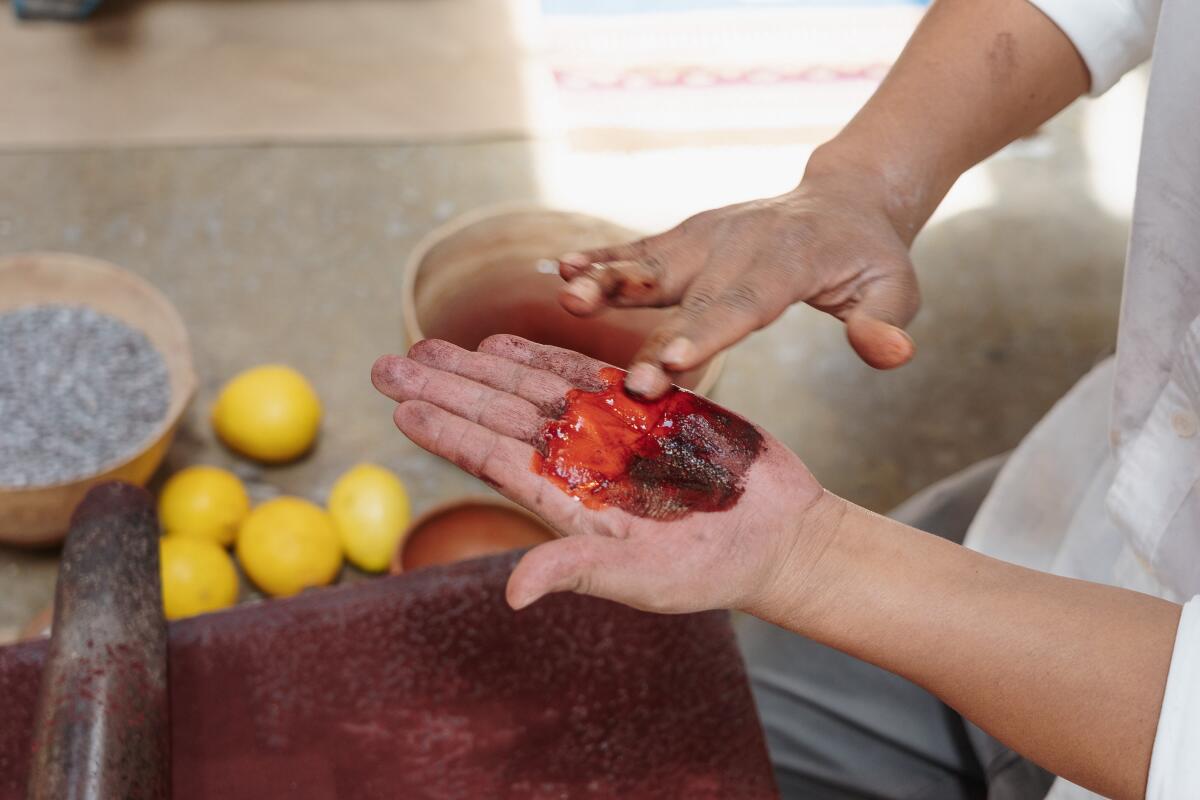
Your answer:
<point x="841" y="729"/>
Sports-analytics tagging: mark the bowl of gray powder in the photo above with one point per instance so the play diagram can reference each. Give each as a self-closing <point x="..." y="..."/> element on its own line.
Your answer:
<point x="95" y="373"/>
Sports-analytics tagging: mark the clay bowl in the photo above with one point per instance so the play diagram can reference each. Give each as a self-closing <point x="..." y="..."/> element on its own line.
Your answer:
<point x="467" y="528"/>
<point x="478" y="275"/>
<point x="40" y="515"/>
<point x="38" y="625"/>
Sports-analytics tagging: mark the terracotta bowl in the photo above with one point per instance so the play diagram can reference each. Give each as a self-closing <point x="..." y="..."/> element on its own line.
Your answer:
<point x="478" y="275"/>
<point x="38" y="625"/>
<point x="468" y="528"/>
<point x="40" y="515"/>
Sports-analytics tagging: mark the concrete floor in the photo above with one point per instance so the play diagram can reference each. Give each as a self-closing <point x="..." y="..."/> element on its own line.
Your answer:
<point x="293" y="254"/>
<point x="289" y="254"/>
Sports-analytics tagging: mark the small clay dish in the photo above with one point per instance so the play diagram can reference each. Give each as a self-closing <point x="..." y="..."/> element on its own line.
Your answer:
<point x="40" y="515"/>
<point x="468" y="528"/>
<point x="38" y="625"/>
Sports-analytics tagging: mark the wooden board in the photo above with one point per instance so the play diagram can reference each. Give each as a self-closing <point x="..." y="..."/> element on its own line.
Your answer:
<point x="164" y="72"/>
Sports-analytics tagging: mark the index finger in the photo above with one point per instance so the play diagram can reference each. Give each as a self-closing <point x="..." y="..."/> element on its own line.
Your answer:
<point x="499" y="461"/>
<point x="580" y="371"/>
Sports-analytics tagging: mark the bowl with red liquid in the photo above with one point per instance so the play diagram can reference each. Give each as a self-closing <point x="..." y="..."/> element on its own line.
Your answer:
<point x="485" y="273"/>
<point x="471" y="527"/>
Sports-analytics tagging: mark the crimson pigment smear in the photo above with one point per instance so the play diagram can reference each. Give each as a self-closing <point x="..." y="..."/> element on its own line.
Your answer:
<point x="660" y="459"/>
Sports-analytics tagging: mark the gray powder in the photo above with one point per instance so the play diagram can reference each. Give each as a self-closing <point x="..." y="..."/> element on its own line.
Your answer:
<point x="79" y="390"/>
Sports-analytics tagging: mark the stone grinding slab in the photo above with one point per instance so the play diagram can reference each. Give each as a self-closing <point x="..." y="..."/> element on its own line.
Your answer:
<point x="427" y="685"/>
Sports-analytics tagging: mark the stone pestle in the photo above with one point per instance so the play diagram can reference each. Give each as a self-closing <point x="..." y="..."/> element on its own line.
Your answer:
<point x="102" y="728"/>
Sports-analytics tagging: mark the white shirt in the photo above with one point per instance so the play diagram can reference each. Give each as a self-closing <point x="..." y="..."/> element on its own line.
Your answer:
<point x="1105" y="487"/>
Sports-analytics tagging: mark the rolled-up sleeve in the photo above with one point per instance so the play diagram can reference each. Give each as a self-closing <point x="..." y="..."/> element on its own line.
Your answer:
<point x="1113" y="36"/>
<point x="1175" y="762"/>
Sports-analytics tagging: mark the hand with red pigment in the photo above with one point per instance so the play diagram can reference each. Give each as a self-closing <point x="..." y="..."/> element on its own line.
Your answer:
<point x="672" y="506"/>
<point x="679" y="505"/>
<point x="833" y="243"/>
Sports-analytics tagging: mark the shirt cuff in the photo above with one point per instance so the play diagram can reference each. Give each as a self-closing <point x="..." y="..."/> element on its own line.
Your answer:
<point x="1112" y="36"/>
<point x="1174" y="767"/>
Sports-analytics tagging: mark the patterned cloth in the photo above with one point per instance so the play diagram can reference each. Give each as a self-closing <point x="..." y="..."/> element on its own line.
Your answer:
<point x="697" y="66"/>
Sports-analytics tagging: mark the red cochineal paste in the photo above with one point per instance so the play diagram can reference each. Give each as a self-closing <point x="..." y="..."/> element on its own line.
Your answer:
<point x="661" y="459"/>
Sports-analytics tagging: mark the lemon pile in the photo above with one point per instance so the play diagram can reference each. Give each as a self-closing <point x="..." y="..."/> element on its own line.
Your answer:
<point x="284" y="545"/>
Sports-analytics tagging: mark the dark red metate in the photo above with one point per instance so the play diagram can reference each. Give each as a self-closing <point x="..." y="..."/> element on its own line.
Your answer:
<point x="661" y="459"/>
<point x="427" y="686"/>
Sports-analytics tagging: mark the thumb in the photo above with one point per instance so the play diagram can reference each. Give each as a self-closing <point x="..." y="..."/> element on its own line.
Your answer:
<point x="875" y="325"/>
<point x="586" y="564"/>
<point x="706" y="323"/>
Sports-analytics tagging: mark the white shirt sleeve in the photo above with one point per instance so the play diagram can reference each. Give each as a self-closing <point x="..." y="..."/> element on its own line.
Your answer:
<point x="1174" y="763"/>
<point x="1113" y="36"/>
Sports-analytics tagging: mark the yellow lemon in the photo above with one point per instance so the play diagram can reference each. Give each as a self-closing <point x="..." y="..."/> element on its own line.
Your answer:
<point x="370" y="511"/>
<point x="197" y="576"/>
<point x="269" y="413"/>
<point x="207" y="502"/>
<point x="288" y="544"/>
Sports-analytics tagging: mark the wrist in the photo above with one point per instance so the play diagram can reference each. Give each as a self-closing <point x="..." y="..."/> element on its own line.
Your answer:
<point x="804" y="567"/>
<point x="906" y="190"/>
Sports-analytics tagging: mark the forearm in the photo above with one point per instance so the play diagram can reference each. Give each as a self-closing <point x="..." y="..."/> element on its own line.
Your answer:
<point x="1069" y="673"/>
<point x="973" y="77"/>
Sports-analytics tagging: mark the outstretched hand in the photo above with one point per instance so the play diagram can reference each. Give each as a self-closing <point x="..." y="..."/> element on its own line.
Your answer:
<point x="831" y="243"/>
<point x="488" y="412"/>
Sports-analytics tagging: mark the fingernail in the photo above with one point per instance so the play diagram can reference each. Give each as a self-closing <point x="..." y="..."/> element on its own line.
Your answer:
<point x="575" y="259"/>
<point x="547" y="266"/>
<point x="642" y="378"/>
<point x="580" y="296"/>
<point x="679" y="352"/>
<point x="903" y="345"/>
<point x="524" y="602"/>
<point x="584" y="288"/>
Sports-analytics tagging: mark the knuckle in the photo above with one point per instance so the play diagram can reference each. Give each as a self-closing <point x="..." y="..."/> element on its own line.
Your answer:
<point x="525" y="383"/>
<point x="729" y="227"/>
<point x="488" y="410"/>
<point x="629" y="251"/>
<point x="655" y="342"/>
<point x="654" y="266"/>
<point x="698" y="222"/>
<point x="697" y="302"/>
<point x="465" y="452"/>
<point x="578" y="517"/>
<point x="417" y="416"/>
<point x="420" y="380"/>
<point x="483" y="457"/>
<point x="902" y="282"/>
<point x="659" y="338"/>
<point x="744" y="298"/>
<point x="914" y="299"/>
<point x="795" y="235"/>
<point x="582" y="582"/>
<point x="437" y="430"/>
<point x="639" y="247"/>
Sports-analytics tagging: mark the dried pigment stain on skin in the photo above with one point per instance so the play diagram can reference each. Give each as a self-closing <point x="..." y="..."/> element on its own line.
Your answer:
<point x="661" y="459"/>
